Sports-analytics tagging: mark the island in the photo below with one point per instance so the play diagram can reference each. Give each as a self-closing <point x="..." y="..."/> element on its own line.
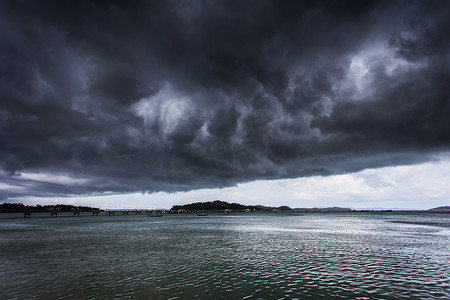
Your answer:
<point x="212" y="206"/>
<point x="440" y="209"/>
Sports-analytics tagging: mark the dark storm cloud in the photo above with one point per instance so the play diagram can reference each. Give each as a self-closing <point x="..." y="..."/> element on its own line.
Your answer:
<point x="114" y="96"/>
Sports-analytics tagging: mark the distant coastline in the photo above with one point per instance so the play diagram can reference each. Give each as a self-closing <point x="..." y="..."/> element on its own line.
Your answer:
<point x="222" y="206"/>
<point x="210" y="206"/>
<point x="441" y="209"/>
<point x="20" y="208"/>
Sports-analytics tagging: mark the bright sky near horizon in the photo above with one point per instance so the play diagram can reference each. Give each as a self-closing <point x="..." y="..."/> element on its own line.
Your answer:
<point x="421" y="186"/>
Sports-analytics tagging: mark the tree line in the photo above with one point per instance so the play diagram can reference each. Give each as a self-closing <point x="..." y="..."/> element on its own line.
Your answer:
<point x="20" y="207"/>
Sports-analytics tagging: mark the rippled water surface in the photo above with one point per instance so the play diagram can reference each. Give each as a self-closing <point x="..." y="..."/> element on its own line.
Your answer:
<point x="242" y="256"/>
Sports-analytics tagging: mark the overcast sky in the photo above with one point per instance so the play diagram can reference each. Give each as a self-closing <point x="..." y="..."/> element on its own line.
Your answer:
<point x="303" y="103"/>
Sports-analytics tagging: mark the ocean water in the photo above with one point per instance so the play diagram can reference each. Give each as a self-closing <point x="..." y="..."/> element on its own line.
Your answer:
<point x="359" y="255"/>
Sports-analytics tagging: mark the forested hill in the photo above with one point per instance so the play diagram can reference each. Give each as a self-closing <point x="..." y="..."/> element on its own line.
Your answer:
<point x="213" y="206"/>
<point x="20" y="207"/>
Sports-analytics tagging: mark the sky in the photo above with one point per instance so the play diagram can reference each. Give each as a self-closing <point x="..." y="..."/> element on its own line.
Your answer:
<point x="157" y="103"/>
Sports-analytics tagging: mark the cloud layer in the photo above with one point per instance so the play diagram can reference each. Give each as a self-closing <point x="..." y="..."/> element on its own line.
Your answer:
<point x="176" y="95"/>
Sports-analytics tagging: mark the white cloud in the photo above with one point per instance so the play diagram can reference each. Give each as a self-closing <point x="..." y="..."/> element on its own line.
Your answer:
<point x="167" y="107"/>
<point x="10" y="188"/>
<point x="62" y="179"/>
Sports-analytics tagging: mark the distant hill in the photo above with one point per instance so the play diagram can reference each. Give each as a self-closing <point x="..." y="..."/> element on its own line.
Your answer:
<point x="284" y="207"/>
<point x="262" y="207"/>
<point x="267" y="208"/>
<point x="213" y="206"/>
<point x="222" y="206"/>
<point x="335" y="208"/>
<point x="441" y="209"/>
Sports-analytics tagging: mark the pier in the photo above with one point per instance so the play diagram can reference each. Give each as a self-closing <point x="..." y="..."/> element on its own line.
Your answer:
<point x="96" y="212"/>
<point x="68" y="210"/>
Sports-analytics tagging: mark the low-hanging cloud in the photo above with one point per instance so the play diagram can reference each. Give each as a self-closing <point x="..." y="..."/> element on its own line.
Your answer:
<point x="175" y="95"/>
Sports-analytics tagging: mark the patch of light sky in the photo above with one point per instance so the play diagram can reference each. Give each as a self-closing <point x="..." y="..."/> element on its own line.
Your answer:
<point x="366" y="60"/>
<point x="63" y="179"/>
<point x="421" y="186"/>
<point x="167" y="106"/>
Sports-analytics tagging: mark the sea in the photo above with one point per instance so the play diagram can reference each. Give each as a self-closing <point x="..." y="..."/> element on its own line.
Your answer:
<point x="308" y="255"/>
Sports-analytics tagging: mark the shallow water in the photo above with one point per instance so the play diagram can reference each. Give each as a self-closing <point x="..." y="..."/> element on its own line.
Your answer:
<point x="239" y="256"/>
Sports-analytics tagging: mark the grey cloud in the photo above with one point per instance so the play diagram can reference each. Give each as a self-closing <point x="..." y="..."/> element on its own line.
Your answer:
<point x="174" y="95"/>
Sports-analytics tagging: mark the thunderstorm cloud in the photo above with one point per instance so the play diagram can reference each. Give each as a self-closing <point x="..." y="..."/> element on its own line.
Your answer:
<point x="126" y="96"/>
